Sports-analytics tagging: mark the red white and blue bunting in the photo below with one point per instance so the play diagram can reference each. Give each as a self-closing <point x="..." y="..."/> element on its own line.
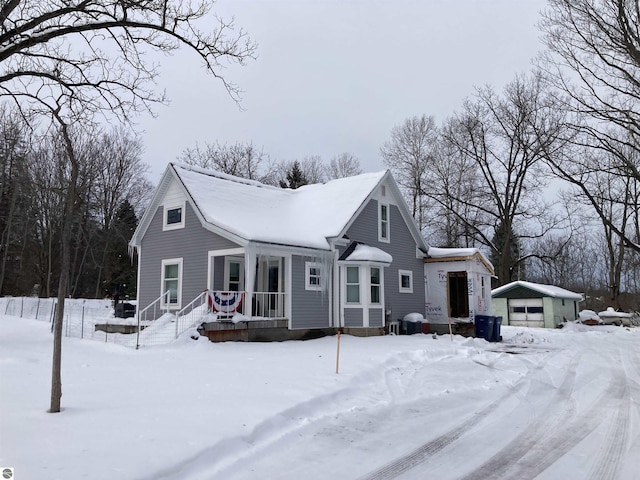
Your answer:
<point x="225" y="302"/>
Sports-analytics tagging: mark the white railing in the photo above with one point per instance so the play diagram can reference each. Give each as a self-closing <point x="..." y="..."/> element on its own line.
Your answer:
<point x="151" y="313"/>
<point x="268" y="304"/>
<point x="190" y="315"/>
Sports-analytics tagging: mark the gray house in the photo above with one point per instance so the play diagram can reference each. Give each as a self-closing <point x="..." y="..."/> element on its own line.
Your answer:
<point x="527" y="304"/>
<point x="341" y="254"/>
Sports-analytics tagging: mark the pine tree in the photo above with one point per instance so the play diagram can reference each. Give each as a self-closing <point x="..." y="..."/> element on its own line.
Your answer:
<point x="505" y="255"/>
<point x="122" y="266"/>
<point x="295" y="177"/>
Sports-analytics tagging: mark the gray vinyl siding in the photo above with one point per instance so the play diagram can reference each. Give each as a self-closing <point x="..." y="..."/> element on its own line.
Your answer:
<point x="402" y="247"/>
<point x="309" y="308"/>
<point x="190" y="243"/>
<point x="375" y="317"/>
<point x="353" y="317"/>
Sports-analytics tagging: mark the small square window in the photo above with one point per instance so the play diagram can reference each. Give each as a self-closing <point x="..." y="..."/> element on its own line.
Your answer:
<point x="173" y="217"/>
<point x="313" y="276"/>
<point x="405" y="278"/>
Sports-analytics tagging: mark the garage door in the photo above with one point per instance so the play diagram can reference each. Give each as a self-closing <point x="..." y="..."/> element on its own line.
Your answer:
<point x="526" y="312"/>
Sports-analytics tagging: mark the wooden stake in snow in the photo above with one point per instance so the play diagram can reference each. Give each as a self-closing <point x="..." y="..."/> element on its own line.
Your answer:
<point x="450" y="331"/>
<point x="338" y="353"/>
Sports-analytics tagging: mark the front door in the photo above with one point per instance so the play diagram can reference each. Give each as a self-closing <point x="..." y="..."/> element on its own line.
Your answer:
<point x="270" y="285"/>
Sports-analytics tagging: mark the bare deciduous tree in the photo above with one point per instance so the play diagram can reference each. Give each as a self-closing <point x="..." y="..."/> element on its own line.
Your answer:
<point x="70" y="61"/>
<point x="408" y="154"/>
<point x="505" y="138"/>
<point x="343" y="165"/>
<point x="239" y="159"/>
<point x="593" y="60"/>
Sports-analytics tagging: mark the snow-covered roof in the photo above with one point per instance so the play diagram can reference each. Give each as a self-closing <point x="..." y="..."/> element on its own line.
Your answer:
<point x="367" y="253"/>
<point x="547" y="290"/>
<point x="305" y="217"/>
<point x="438" y="253"/>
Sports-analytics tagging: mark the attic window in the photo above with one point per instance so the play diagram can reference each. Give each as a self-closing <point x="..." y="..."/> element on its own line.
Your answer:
<point x="173" y="217"/>
<point x="383" y="222"/>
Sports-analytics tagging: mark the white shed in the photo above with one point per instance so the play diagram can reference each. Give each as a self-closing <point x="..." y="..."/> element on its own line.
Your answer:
<point x="528" y="304"/>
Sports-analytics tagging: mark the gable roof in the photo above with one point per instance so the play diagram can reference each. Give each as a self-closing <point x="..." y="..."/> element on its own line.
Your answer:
<point x="248" y="210"/>
<point x="437" y="254"/>
<point x="544" y="290"/>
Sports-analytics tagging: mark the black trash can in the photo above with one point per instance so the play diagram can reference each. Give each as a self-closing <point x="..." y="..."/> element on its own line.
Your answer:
<point x="125" y="310"/>
<point x="497" y="323"/>
<point x="484" y="326"/>
<point x="412" y="327"/>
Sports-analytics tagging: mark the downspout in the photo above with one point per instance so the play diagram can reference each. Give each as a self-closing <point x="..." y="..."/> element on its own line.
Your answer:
<point x="249" y="279"/>
<point x="337" y="320"/>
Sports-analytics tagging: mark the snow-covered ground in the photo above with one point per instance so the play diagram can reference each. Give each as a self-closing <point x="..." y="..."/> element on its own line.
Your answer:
<point x="542" y="404"/>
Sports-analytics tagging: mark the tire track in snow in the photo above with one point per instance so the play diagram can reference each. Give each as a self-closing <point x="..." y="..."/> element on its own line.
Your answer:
<point x="609" y="460"/>
<point x="534" y="433"/>
<point x="422" y="453"/>
<point x="526" y="457"/>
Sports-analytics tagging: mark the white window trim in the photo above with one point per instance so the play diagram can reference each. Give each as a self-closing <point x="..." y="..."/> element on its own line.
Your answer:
<point x="360" y="272"/>
<point x="402" y="273"/>
<point x="307" y="275"/>
<point x="386" y="239"/>
<point x="380" y="287"/>
<point x="173" y="226"/>
<point x="163" y="303"/>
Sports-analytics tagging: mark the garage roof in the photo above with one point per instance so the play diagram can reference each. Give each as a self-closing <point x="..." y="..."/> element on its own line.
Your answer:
<point x="542" y="290"/>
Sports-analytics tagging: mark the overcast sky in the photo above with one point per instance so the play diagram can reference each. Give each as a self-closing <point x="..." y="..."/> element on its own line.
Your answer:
<point x="337" y="76"/>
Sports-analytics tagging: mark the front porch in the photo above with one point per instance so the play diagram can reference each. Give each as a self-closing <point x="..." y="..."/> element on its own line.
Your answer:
<point x="244" y="282"/>
<point x="257" y="331"/>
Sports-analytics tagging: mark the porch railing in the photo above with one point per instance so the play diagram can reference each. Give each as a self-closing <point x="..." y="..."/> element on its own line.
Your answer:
<point x="151" y="313"/>
<point x="191" y="314"/>
<point x="268" y="304"/>
<point x="155" y="329"/>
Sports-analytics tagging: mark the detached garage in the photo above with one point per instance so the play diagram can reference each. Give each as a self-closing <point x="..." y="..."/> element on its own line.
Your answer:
<point x="527" y="304"/>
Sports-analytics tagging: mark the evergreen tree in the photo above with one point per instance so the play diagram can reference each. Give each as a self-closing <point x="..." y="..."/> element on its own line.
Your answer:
<point x="506" y="254"/>
<point x="123" y="267"/>
<point x="295" y="177"/>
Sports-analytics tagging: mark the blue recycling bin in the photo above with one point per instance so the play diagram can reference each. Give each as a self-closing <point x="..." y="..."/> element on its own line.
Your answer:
<point x="497" y="323"/>
<point x="484" y="326"/>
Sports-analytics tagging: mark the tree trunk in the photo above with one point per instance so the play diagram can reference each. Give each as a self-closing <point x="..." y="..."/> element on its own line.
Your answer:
<point x="6" y="239"/>
<point x="69" y="210"/>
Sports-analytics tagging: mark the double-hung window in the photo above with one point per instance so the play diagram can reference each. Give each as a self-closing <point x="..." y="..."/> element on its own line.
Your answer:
<point x="171" y="282"/>
<point x="375" y="285"/>
<point x="353" y="284"/>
